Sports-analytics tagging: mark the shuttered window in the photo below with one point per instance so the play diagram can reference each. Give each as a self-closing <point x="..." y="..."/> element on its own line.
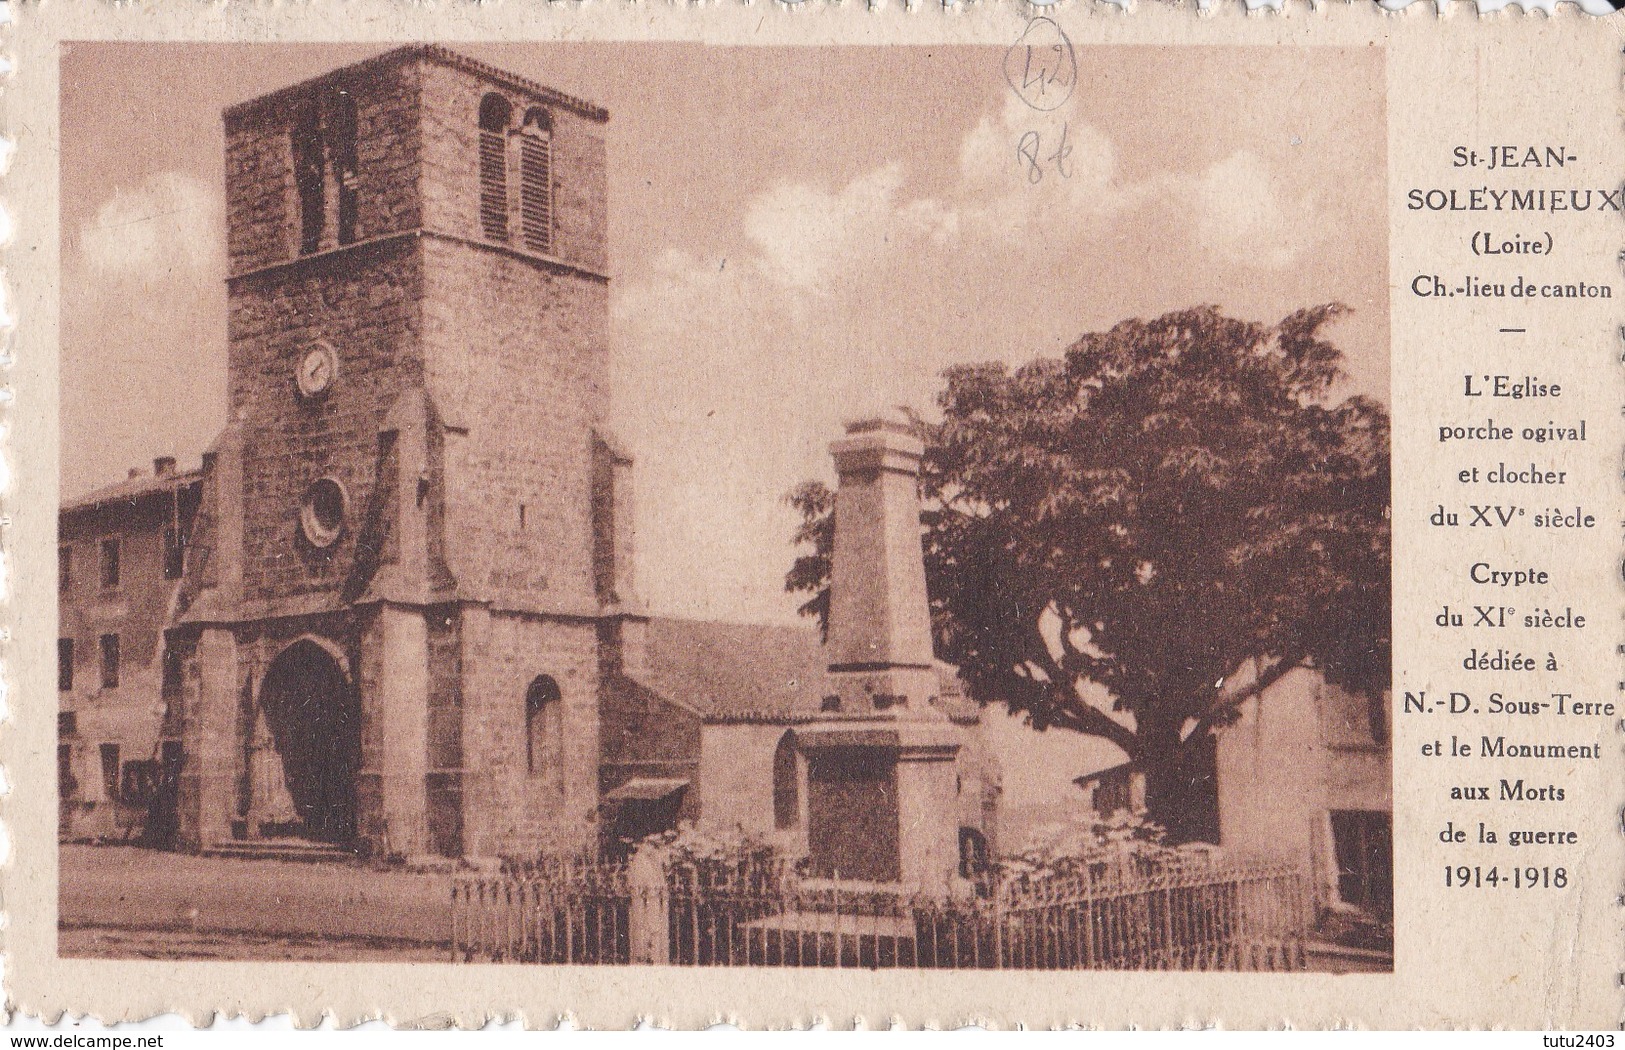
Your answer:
<point x="64" y="664"/>
<point x="536" y="190"/>
<point x="110" y="661"/>
<point x="494" y="116"/>
<point x="494" y="185"/>
<point x="1363" y="842"/>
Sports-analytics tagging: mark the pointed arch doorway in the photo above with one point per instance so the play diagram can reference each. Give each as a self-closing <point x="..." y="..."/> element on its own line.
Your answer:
<point x="305" y="749"/>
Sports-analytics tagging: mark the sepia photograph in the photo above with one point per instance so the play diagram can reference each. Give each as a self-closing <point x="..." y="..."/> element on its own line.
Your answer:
<point x="651" y="503"/>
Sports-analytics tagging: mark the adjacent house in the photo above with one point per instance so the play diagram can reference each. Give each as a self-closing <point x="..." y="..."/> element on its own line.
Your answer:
<point x="1302" y="779"/>
<point x="121" y="554"/>
<point x="1305" y="778"/>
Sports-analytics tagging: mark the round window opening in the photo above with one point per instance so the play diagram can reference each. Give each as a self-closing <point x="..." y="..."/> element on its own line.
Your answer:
<point x="322" y="516"/>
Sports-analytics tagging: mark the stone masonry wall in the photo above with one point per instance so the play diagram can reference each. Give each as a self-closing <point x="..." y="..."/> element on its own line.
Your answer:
<point x="364" y="304"/>
<point x="524" y="382"/>
<point x="362" y="301"/>
<point x="508" y="811"/>
<point x="516" y="351"/>
<point x="512" y="348"/>
<point x="451" y="188"/>
<point x="262" y="200"/>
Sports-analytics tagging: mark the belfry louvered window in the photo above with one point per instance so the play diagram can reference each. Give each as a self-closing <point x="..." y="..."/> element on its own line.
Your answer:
<point x="346" y="165"/>
<point x="307" y="175"/>
<point x="536" y="181"/>
<point x="495" y="114"/>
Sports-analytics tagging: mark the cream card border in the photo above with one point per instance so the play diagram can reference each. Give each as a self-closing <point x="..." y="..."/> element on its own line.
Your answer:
<point x="1461" y="960"/>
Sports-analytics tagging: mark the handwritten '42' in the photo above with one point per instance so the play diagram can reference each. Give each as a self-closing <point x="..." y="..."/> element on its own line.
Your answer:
<point x="1030" y="153"/>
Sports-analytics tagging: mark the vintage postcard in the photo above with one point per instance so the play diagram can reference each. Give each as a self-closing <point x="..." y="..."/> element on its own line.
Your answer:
<point x="1033" y="516"/>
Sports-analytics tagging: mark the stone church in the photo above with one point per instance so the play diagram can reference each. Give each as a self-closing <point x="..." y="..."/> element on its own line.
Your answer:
<point x="406" y="624"/>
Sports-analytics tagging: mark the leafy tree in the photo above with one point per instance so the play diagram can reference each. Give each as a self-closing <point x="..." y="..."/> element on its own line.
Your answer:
<point x="1173" y="511"/>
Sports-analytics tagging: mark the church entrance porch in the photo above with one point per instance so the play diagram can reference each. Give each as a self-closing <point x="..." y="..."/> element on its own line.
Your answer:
<point x="302" y="749"/>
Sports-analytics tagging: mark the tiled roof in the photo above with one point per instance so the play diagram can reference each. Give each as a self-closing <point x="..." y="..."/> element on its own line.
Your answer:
<point x="1099" y="776"/>
<point x="735" y="670"/>
<point x="132" y="490"/>
<point x="740" y="672"/>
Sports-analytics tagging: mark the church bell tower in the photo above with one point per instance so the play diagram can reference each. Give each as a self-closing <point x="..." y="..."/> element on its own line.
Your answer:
<point x="415" y="479"/>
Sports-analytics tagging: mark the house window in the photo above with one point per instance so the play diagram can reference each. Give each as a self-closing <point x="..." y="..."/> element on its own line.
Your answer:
<point x="786" y="788"/>
<point x="345" y="164"/>
<point x="109" y="661"/>
<point x="543" y="725"/>
<point x="1377" y="716"/>
<point x="174" y="553"/>
<point x="495" y="114"/>
<point x="1362" y="841"/>
<point x="110" y="771"/>
<point x="308" y="177"/>
<point x="536" y="180"/>
<point x="64" y="664"/>
<point x="64" y="569"/>
<point x="173" y="673"/>
<point x="109" y="564"/>
<point x="67" y="785"/>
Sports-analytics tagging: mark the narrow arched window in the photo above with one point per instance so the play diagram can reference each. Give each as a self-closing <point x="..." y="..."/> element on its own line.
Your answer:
<point x="973" y="859"/>
<point x="536" y="180"/>
<point x="495" y="115"/>
<point x="786" y="785"/>
<point x="307" y="176"/>
<point x="345" y="162"/>
<point x="543" y="725"/>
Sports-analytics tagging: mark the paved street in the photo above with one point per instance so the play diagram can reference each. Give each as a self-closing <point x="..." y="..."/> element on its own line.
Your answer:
<point x="104" y="943"/>
<point x="125" y="902"/>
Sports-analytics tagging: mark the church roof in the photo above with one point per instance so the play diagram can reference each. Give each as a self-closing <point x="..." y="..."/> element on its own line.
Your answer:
<point x="733" y="671"/>
<point x="753" y="672"/>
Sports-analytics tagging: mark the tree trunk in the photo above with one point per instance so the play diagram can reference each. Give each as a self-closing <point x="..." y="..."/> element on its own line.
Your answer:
<point x="1181" y="788"/>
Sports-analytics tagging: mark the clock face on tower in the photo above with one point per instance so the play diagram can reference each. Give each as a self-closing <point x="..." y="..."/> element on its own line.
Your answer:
<point x="317" y="370"/>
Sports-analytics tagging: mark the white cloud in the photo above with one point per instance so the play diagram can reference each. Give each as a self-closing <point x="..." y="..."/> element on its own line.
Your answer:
<point x="863" y="291"/>
<point x="807" y="237"/>
<point x="805" y="233"/>
<point x="1076" y="164"/>
<point x="1242" y="217"/>
<point x="1233" y="211"/>
<point x="171" y="221"/>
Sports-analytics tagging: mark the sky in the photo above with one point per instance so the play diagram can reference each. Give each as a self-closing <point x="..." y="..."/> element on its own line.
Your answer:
<point x="798" y="237"/>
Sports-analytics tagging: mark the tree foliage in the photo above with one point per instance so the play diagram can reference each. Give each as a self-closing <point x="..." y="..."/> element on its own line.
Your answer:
<point x="1170" y="507"/>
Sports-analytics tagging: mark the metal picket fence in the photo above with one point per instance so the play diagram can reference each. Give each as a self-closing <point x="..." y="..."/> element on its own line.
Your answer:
<point x="558" y="911"/>
<point x="576" y="912"/>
